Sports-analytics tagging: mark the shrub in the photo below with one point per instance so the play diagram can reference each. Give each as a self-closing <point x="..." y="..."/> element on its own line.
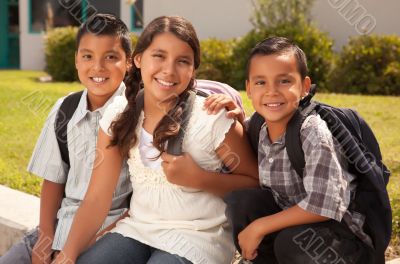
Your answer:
<point x="271" y="13"/>
<point x="60" y="53"/>
<point x="316" y="44"/>
<point x="368" y="65"/>
<point x="216" y="61"/>
<point x="240" y="55"/>
<point x="134" y="39"/>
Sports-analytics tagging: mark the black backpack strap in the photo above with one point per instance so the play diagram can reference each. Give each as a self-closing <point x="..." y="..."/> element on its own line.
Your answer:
<point x="292" y="138"/>
<point x="139" y="102"/>
<point x="304" y="102"/>
<point x="174" y="146"/>
<point x="253" y="130"/>
<point x="201" y="93"/>
<point x="64" y="114"/>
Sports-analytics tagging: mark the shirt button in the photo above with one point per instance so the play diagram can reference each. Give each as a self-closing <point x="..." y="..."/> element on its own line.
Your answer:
<point x="264" y="181"/>
<point x="271" y="160"/>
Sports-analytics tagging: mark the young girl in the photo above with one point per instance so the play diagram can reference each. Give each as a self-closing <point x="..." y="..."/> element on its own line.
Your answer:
<point x="176" y="212"/>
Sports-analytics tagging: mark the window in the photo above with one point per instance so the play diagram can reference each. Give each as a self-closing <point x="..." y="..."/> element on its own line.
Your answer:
<point x="102" y="6"/>
<point x="49" y="13"/>
<point x="137" y="15"/>
<point x="60" y="13"/>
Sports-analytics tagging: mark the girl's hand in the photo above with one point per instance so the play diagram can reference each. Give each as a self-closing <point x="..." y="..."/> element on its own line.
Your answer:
<point x="249" y="240"/>
<point x="215" y="102"/>
<point x="181" y="170"/>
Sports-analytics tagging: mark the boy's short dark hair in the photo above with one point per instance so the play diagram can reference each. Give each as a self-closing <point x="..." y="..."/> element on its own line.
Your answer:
<point x="106" y="25"/>
<point x="279" y="45"/>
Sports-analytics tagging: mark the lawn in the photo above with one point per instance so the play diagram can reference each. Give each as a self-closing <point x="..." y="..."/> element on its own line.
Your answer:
<point x="24" y="104"/>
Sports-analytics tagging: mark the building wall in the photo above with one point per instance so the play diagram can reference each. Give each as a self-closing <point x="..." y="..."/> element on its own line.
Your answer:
<point x="226" y="19"/>
<point x="31" y="44"/>
<point x="334" y="16"/>
<point x="222" y="19"/>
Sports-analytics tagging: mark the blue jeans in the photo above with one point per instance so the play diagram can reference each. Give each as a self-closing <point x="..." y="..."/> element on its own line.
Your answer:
<point x="21" y="252"/>
<point x="115" y="248"/>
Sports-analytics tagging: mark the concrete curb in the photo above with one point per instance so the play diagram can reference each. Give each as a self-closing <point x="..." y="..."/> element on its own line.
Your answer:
<point x="19" y="213"/>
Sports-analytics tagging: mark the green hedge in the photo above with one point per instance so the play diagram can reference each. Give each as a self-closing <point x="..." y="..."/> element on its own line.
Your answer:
<point x="316" y="44"/>
<point x="368" y="65"/>
<point x="216" y="60"/>
<point x="60" y="53"/>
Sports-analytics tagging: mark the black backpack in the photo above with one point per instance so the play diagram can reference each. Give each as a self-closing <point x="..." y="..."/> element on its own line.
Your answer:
<point x="70" y="103"/>
<point x="360" y="148"/>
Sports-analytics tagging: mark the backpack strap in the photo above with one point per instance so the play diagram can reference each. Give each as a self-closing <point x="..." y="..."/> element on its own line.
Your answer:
<point x="253" y="130"/>
<point x="201" y="93"/>
<point x="174" y="146"/>
<point x="292" y="138"/>
<point x="64" y="115"/>
<point x="304" y="102"/>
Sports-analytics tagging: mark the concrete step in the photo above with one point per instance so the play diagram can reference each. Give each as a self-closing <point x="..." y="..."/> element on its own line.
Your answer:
<point x="19" y="213"/>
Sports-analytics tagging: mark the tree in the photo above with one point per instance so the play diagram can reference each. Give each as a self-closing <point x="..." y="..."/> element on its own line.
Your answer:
<point x="272" y="13"/>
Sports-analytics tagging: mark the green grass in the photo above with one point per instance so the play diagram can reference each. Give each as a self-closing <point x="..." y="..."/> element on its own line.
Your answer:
<point x="24" y="104"/>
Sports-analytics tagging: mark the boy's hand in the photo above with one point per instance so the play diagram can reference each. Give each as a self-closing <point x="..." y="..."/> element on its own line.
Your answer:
<point x="181" y="170"/>
<point x="215" y="102"/>
<point x="42" y="252"/>
<point x="249" y="240"/>
<point x="62" y="258"/>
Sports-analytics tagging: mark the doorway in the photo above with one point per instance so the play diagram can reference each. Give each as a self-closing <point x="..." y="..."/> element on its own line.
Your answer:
<point x="9" y="30"/>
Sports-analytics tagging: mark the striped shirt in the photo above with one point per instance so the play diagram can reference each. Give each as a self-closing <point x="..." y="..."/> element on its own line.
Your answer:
<point x="326" y="187"/>
<point x="46" y="162"/>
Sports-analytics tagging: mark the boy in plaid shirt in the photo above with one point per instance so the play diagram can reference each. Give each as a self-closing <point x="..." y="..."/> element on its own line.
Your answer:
<point x="294" y="219"/>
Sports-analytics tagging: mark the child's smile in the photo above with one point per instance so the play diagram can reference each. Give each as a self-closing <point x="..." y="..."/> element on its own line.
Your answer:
<point x="99" y="80"/>
<point x="274" y="106"/>
<point x="275" y="86"/>
<point x="166" y="67"/>
<point x="101" y="64"/>
<point x="165" y="85"/>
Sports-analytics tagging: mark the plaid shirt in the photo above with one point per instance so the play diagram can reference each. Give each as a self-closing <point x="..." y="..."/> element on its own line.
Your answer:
<point x="326" y="187"/>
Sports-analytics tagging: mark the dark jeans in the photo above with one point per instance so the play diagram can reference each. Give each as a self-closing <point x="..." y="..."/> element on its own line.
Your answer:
<point x="114" y="248"/>
<point x="324" y="242"/>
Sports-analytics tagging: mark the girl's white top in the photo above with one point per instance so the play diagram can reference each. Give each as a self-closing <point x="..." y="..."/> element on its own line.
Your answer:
<point x="179" y="220"/>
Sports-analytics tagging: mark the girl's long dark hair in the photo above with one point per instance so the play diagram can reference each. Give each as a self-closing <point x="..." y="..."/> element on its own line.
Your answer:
<point x="124" y="128"/>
